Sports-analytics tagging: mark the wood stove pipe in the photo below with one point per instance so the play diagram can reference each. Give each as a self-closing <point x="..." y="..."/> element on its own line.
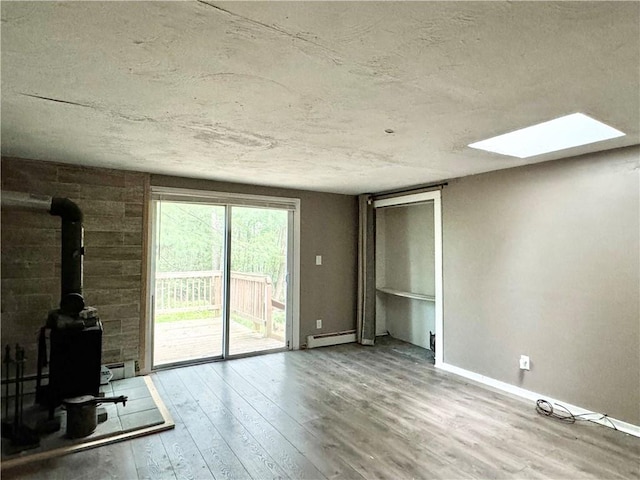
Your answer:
<point x="72" y="249"/>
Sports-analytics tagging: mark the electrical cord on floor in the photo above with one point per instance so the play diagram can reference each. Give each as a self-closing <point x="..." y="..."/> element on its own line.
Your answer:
<point x="544" y="407"/>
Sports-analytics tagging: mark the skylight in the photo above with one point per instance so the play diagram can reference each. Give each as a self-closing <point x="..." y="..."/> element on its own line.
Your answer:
<point x="564" y="132"/>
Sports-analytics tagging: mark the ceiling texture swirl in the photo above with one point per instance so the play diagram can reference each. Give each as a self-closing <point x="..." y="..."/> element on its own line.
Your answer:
<point x="345" y="97"/>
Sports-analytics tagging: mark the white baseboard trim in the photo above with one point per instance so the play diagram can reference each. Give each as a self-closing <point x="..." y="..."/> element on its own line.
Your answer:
<point x="625" y="427"/>
<point x="328" y="339"/>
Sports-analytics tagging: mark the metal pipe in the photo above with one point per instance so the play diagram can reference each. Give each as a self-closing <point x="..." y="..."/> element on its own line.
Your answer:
<point x="72" y="249"/>
<point x="65" y="209"/>
<point x="25" y="201"/>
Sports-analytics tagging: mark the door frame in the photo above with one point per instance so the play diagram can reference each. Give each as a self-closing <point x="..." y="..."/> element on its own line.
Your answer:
<point x="238" y="199"/>
<point x="435" y="197"/>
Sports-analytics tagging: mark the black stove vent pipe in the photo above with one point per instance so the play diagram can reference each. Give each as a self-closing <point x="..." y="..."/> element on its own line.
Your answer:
<point x="71" y="301"/>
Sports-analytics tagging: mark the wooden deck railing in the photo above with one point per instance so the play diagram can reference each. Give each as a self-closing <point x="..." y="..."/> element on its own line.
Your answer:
<point x="188" y="291"/>
<point x="251" y="296"/>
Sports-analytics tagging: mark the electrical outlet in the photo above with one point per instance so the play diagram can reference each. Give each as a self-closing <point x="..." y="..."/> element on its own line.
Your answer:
<point x="525" y="363"/>
<point x="318" y="259"/>
<point x="318" y="323"/>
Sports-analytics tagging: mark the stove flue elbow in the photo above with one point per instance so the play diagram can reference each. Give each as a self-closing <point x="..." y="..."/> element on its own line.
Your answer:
<point x="65" y="209"/>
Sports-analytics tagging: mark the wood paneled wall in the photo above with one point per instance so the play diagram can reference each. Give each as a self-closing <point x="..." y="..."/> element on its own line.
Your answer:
<point x="113" y="203"/>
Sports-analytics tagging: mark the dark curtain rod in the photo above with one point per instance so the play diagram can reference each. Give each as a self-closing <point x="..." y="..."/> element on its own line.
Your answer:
<point x="408" y="191"/>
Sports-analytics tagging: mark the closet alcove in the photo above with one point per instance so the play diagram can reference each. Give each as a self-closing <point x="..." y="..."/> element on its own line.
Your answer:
<point x="405" y="263"/>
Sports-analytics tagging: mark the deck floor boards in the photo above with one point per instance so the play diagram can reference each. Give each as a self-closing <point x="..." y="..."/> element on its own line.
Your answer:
<point x="347" y="412"/>
<point x="202" y="338"/>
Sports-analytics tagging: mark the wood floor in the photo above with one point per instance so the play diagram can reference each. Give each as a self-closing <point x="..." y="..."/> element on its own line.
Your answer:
<point x="347" y="412"/>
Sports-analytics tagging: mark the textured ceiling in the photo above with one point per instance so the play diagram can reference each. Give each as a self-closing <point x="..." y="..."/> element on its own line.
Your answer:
<point x="300" y="94"/>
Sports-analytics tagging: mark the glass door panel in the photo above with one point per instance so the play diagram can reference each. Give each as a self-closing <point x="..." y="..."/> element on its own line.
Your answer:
<point x="188" y="296"/>
<point x="258" y="290"/>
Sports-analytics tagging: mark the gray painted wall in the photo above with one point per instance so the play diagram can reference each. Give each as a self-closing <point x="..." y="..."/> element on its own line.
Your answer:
<point x="329" y="227"/>
<point x="543" y="260"/>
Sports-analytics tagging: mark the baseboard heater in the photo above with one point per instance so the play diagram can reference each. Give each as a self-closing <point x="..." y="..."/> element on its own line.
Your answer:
<point x="327" y="339"/>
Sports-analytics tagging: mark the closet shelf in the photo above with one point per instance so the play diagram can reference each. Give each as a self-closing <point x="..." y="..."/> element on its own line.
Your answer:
<point x="400" y="293"/>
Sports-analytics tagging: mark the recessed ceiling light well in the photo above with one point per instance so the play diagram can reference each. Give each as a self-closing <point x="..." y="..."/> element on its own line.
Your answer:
<point x="558" y="134"/>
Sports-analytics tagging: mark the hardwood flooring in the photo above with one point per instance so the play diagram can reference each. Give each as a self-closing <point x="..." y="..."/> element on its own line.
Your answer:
<point x="347" y="412"/>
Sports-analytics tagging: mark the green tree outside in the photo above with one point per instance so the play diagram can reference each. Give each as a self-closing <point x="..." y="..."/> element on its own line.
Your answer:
<point x="191" y="238"/>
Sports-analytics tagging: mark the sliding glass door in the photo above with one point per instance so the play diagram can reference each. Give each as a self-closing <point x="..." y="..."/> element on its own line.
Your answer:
<point x="189" y="263"/>
<point x="220" y="279"/>
<point x="258" y="289"/>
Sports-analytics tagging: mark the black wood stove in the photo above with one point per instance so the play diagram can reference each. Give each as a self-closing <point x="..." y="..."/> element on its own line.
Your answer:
<point x="74" y="331"/>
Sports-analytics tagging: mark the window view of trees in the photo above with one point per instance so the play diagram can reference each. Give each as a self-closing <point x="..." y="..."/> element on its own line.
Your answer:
<point x="191" y="238"/>
<point x="259" y="244"/>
